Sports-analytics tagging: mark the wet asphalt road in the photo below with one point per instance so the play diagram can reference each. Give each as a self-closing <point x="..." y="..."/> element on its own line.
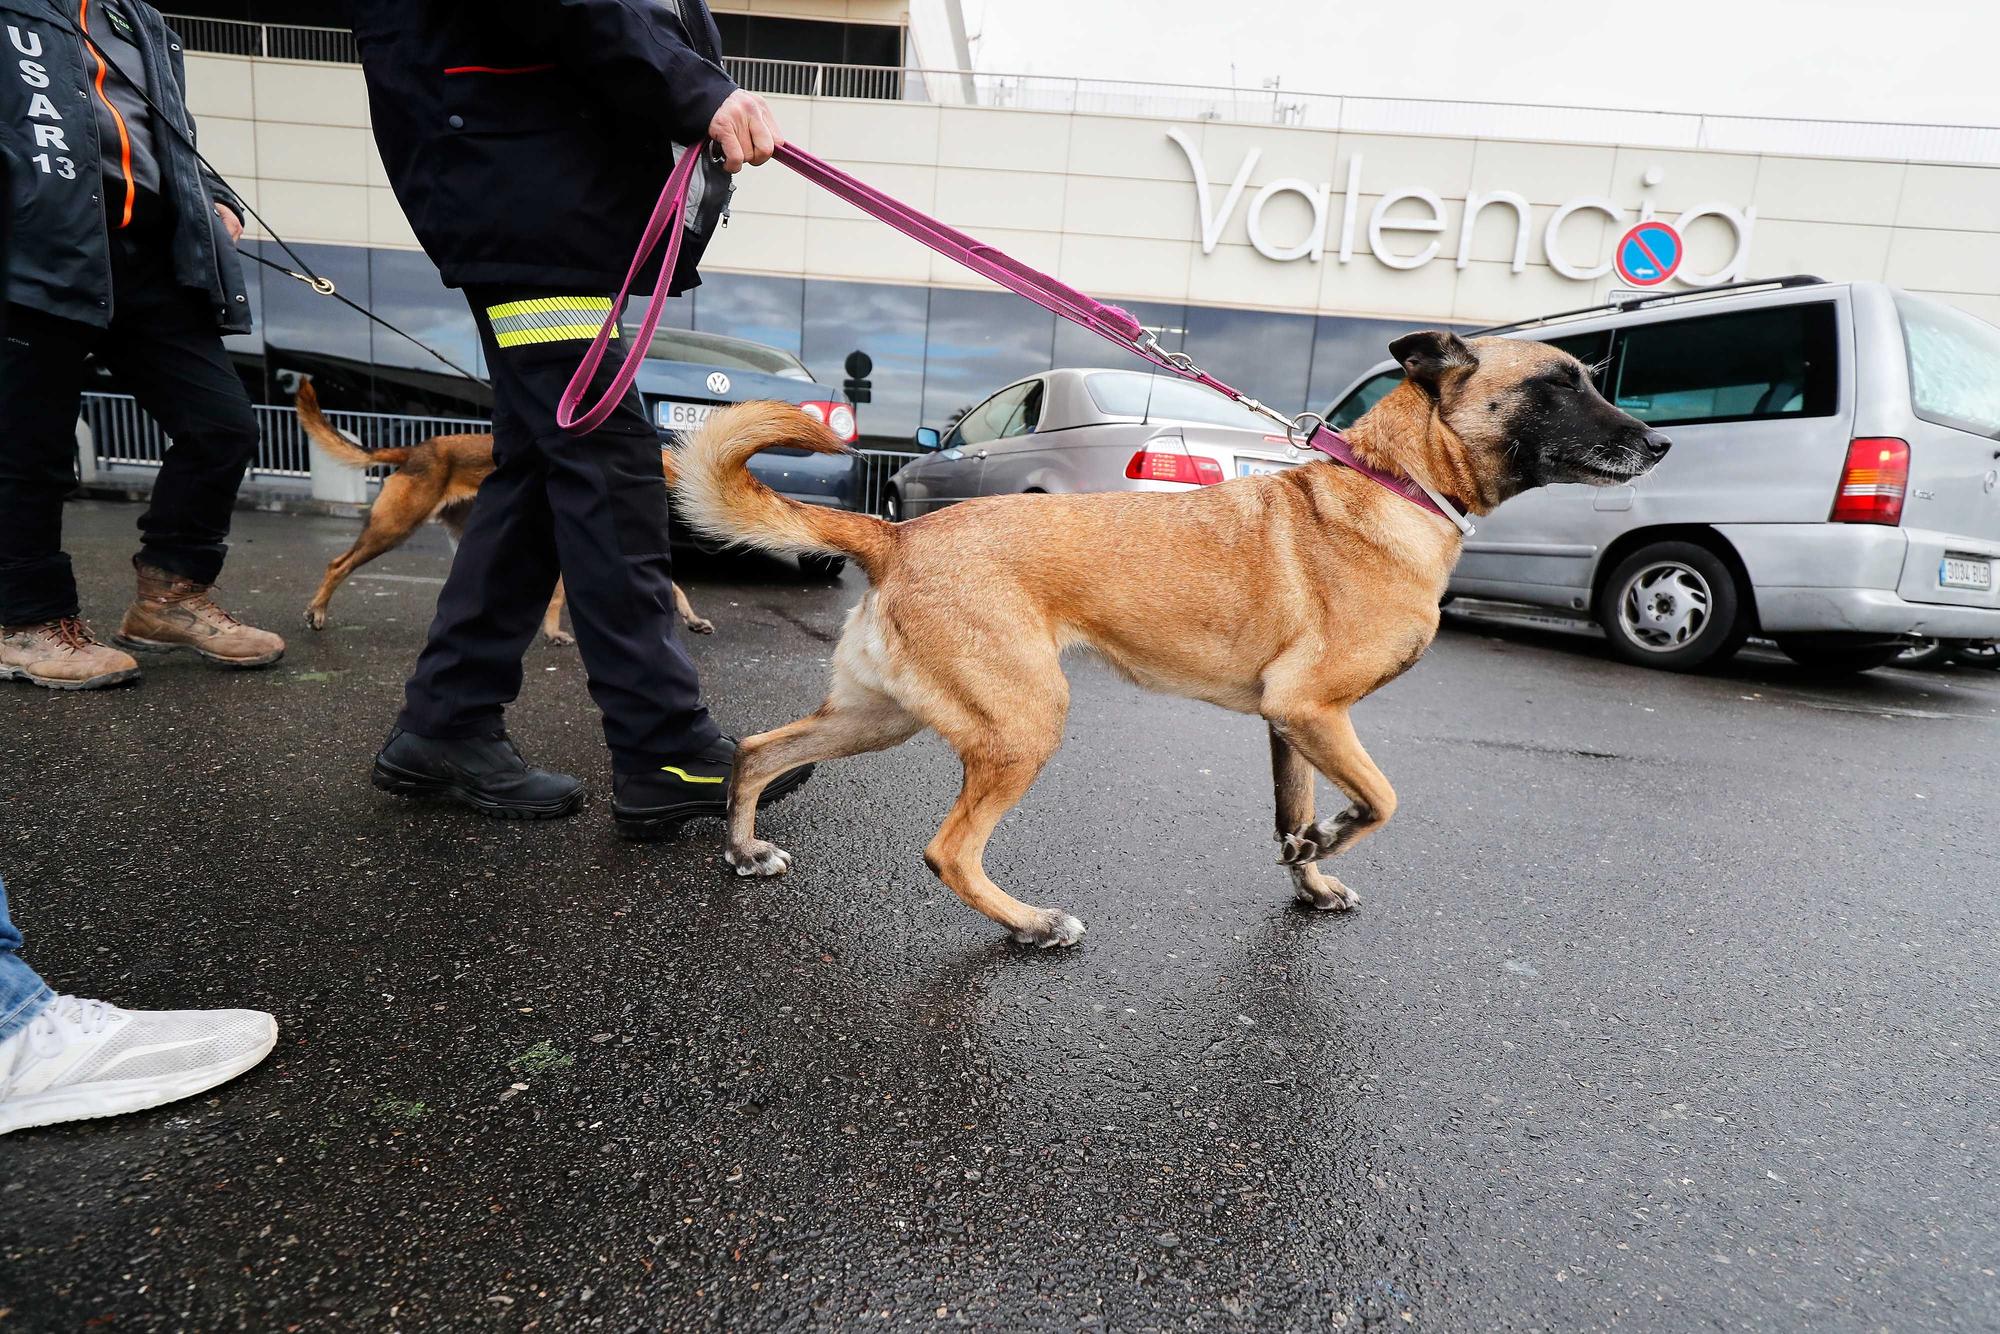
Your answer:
<point x="1671" y="1006"/>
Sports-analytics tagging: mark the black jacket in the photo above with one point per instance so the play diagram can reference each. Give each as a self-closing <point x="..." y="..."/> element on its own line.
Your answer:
<point x="527" y="140"/>
<point x="60" y="261"/>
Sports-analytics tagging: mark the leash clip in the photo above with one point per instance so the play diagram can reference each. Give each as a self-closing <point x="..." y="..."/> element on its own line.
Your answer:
<point x="1301" y="438"/>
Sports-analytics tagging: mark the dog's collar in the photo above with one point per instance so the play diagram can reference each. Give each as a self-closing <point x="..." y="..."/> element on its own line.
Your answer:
<point x="1413" y="489"/>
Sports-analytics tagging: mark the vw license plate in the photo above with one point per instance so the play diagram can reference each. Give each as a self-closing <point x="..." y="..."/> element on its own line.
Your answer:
<point x="1258" y="467"/>
<point x="1974" y="572"/>
<point x="681" y="416"/>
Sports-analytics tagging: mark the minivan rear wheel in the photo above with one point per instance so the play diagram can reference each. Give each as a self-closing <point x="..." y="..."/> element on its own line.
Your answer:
<point x="1672" y="605"/>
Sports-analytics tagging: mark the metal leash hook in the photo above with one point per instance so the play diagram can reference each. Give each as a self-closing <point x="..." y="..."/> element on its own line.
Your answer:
<point x="1299" y="438"/>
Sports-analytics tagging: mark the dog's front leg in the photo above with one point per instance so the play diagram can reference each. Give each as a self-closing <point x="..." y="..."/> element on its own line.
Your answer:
<point x="1323" y="739"/>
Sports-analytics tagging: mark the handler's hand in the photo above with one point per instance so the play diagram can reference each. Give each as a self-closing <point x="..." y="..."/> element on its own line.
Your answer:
<point x="230" y="222"/>
<point x="746" y="130"/>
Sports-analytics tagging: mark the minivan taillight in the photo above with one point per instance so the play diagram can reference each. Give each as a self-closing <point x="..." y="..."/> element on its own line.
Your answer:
<point x="1873" y="482"/>
<point x="836" y="417"/>
<point x="1158" y="465"/>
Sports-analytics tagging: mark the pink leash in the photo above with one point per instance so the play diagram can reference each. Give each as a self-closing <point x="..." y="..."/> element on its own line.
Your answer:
<point x="1109" y="321"/>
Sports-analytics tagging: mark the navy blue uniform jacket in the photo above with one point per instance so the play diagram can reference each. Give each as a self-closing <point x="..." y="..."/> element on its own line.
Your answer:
<point x="60" y="260"/>
<point x="527" y="140"/>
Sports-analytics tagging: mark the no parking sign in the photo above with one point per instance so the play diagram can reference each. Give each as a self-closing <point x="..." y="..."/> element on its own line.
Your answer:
<point x="1648" y="254"/>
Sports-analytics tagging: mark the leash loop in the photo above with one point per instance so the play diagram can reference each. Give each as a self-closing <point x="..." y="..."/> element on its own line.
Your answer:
<point x="665" y="222"/>
<point x="1300" y="437"/>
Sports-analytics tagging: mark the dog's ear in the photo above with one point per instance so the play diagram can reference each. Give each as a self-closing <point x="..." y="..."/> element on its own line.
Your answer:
<point x="1427" y="354"/>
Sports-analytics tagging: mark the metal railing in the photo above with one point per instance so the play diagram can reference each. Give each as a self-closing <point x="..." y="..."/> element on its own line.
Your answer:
<point x="272" y="41"/>
<point x="872" y="482"/>
<point x="796" y="78"/>
<point x="1978" y="144"/>
<point x="124" y="436"/>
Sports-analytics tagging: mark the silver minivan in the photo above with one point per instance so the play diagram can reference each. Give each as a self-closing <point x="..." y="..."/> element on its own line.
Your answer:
<point x="1834" y="483"/>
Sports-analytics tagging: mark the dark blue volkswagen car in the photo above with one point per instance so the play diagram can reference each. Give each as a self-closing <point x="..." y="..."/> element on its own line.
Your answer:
<point x="688" y="375"/>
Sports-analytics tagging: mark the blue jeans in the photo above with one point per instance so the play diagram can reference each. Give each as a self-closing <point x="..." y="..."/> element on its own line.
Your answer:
<point x="23" y="995"/>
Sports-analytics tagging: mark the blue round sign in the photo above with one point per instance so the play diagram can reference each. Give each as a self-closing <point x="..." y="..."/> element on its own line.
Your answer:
<point x="1648" y="254"/>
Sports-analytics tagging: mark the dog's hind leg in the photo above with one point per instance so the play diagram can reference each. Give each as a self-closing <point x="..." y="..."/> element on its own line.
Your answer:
<point x="853" y="721"/>
<point x="700" y="625"/>
<point x="1003" y="737"/>
<point x="374" y="541"/>
<point x="999" y="770"/>
<point x="552" y="629"/>
<point x="1323" y="738"/>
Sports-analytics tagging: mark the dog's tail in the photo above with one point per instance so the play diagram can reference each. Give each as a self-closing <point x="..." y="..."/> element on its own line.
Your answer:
<point x="722" y="501"/>
<point x="331" y="442"/>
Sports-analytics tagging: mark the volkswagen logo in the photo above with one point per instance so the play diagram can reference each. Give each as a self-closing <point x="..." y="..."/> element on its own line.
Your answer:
<point x="718" y="383"/>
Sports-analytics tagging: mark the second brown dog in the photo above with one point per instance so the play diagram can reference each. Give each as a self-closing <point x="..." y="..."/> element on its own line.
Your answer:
<point x="434" y="480"/>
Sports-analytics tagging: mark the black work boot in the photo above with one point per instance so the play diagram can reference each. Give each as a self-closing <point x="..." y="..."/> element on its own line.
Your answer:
<point x="653" y="803"/>
<point x="483" y="772"/>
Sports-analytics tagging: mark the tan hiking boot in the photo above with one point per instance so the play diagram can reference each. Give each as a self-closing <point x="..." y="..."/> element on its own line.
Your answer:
<point x="62" y="655"/>
<point x="172" y="613"/>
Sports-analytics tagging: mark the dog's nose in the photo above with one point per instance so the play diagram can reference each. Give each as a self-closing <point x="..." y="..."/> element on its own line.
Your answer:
<point x="1657" y="445"/>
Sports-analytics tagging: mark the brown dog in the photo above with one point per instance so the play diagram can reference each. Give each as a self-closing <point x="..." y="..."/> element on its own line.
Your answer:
<point x="434" y="480"/>
<point x="1294" y="596"/>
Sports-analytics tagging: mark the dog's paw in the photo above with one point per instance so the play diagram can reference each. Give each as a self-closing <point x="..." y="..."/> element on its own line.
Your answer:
<point x="1052" y="927"/>
<point x="758" y="858"/>
<point x="1322" y="892"/>
<point x="316" y="618"/>
<point x="1316" y="842"/>
<point x="700" y="626"/>
<point x="560" y="639"/>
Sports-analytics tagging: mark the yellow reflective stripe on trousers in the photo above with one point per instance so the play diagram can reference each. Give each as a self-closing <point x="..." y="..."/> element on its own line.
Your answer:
<point x="548" y="319"/>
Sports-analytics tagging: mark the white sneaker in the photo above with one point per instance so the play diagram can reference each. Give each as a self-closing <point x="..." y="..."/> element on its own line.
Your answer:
<point x="85" y="1058"/>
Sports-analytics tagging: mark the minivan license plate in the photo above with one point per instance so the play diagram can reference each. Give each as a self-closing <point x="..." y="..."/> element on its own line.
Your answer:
<point x="1259" y="467"/>
<point x="1974" y="572"/>
<point x="681" y="416"/>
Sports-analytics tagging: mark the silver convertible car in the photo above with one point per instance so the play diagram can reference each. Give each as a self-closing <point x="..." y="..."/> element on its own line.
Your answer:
<point x="1087" y="430"/>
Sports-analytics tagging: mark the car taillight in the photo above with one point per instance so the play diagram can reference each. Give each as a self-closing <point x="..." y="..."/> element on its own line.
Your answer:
<point x="1155" y="465"/>
<point x="1873" y="482"/>
<point x="836" y="417"/>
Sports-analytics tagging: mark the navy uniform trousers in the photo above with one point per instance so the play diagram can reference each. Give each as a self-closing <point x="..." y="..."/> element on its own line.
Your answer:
<point x="592" y="509"/>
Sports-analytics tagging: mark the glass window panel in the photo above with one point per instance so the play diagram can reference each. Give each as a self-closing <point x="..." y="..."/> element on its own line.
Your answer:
<point x="874" y="44"/>
<point x="978" y="342"/>
<point x="407" y="292"/>
<point x="887" y="324"/>
<point x="677" y="313"/>
<point x="996" y="417"/>
<point x="763" y="310"/>
<point x="1954" y="365"/>
<point x="1081" y="348"/>
<point x="736" y="354"/>
<point x="1165" y="398"/>
<point x="1745" y="366"/>
<point x="316" y="335"/>
<point x="735" y="30"/>
<point x="1343" y="348"/>
<point x="1264" y="355"/>
<point x="1365" y="396"/>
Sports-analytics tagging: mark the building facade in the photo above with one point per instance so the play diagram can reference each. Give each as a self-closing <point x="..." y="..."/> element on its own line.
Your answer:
<point x="1280" y="242"/>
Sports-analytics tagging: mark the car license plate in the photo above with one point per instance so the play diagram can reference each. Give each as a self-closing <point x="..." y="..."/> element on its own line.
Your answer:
<point x="1259" y="467"/>
<point x="1974" y="572"/>
<point x="681" y="416"/>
